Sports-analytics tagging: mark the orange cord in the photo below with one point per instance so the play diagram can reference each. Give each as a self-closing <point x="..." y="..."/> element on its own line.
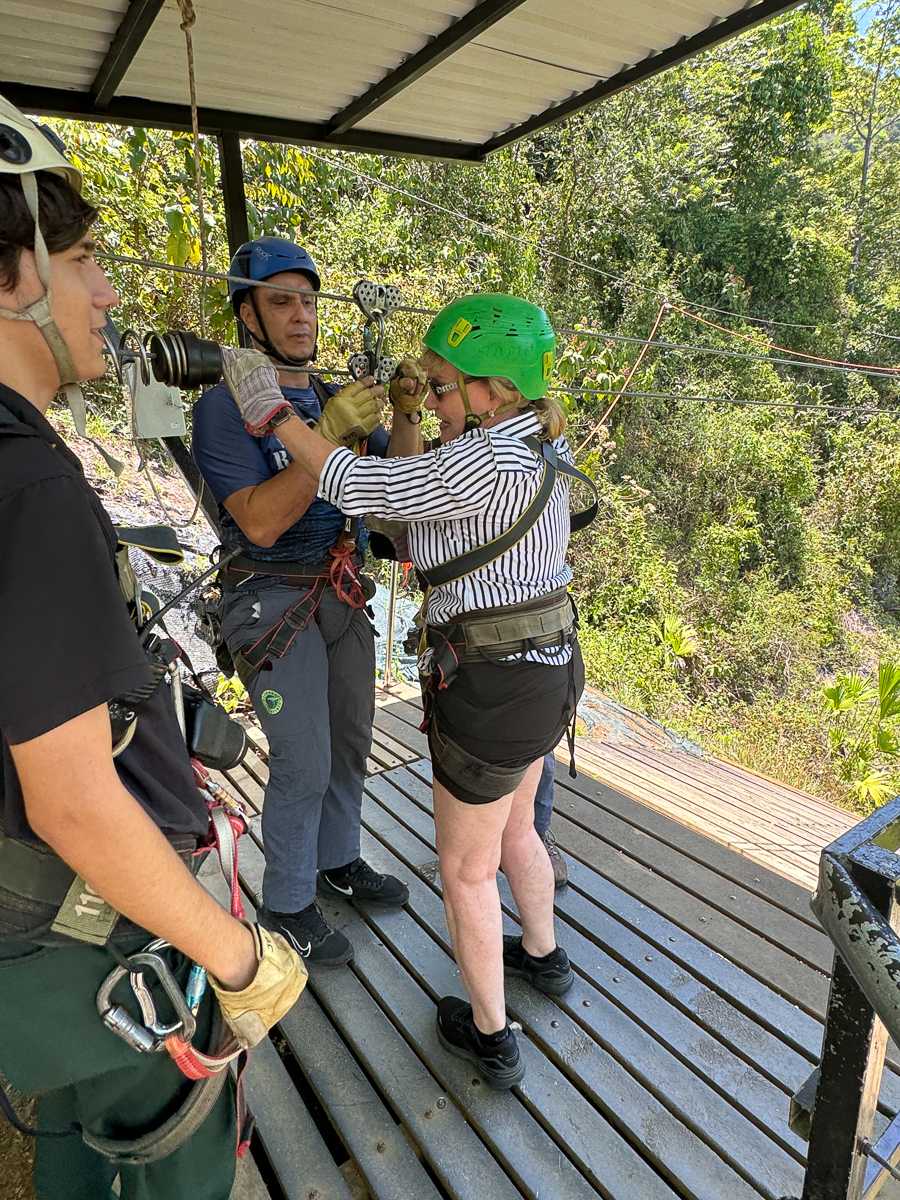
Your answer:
<point x="834" y="362"/>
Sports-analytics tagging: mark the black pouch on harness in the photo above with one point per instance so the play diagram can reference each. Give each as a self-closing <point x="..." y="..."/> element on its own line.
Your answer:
<point x="213" y="738"/>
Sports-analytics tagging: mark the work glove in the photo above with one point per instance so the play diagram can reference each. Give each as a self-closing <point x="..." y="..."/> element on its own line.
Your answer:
<point x="409" y="399"/>
<point x="349" y="416"/>
<point x="253" y="382"/>
<point x="277" y="984"/>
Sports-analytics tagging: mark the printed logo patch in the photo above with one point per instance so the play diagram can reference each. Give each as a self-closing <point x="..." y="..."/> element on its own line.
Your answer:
<point x="272" y="702"/>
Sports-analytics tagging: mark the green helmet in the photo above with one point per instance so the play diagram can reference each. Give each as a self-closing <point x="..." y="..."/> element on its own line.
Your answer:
<point x="493" y="334"/>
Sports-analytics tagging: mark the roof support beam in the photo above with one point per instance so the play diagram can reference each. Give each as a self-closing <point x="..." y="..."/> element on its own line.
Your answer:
<point x="459" y="34"/>
<point x="133" y="110"/>
<point x="127" y="41"/>
<point x="231" y="168"/>
<point x="737" y="23"/>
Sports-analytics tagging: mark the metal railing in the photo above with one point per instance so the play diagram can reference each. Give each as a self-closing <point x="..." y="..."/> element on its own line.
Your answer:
<point x="835" y="1109"/>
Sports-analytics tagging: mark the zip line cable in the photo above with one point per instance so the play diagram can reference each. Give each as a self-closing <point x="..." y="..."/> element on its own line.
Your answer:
<point x="263" y="283"/>
<point x="875" y="412"/>
<point x="747" y="337"/>
<point x="860" y="369"/>
<point x="495" y="229"/>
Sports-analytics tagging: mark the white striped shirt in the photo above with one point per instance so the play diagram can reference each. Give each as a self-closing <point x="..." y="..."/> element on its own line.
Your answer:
<point x="462" y="495"/>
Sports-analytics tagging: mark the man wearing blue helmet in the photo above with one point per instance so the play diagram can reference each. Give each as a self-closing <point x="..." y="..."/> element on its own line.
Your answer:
<point x="293" y="611"/>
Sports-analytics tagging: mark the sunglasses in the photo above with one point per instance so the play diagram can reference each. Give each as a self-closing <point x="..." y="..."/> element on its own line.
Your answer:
<point x="440" y="388"/>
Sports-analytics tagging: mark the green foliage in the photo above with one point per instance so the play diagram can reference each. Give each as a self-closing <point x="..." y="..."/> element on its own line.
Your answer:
<point x="863" y="732"/>
<point x="232" y="694"/>
<point x="748" y="550"/>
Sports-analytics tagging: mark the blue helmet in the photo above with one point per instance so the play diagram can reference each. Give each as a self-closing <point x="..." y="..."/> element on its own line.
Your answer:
<point x="262" y="259"/>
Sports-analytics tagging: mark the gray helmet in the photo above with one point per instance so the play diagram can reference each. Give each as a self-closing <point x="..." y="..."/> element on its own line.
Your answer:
<point x="25" y="149"/>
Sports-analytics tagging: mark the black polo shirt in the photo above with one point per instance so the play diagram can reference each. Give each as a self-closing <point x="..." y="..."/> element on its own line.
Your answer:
<point x="67" y="642"/>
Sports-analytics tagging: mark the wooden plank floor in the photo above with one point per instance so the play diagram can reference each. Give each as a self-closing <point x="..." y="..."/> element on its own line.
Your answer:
<point x="665" y="1074"/>
<point x="778" y="826"/>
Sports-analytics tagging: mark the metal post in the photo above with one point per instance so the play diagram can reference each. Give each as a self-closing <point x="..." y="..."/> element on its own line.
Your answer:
<point x="231" y="167"/>
<point x="237" y="225"/>
<point x="855" y="901"/>
<point x="391" y="617"/>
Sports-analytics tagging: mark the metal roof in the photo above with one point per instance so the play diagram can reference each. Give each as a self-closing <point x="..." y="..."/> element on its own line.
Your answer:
<point x="432" y="78"/>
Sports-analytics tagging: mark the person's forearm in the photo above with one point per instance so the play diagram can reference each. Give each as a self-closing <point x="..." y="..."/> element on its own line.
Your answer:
<point x="75" y="801"/>
<point x="266" y="511"/>
<point x="406" y="437"/>
<point x="309" y="451"/>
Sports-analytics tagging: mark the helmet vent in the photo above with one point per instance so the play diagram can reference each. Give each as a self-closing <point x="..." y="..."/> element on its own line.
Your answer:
<point x="14" y="148"/>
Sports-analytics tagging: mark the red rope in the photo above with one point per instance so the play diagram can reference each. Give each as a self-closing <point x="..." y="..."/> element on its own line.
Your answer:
<point x="342" y="568"/>
<point x="747" y="337"/>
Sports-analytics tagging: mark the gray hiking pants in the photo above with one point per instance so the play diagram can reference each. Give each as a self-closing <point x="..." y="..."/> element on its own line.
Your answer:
<point x="316" y="707"/>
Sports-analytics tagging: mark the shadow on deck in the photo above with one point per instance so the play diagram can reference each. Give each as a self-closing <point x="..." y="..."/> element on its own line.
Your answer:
<point x="701" y="987"/>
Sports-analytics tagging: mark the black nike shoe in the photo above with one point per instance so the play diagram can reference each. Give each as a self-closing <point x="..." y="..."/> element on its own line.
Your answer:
<point x="495" y="1055"/>
<point x="310" y="935"/>
<point x="551" y="974"/>
<point x="357" y="881"/>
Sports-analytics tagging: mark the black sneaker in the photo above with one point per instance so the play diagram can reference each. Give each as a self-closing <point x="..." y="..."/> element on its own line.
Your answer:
<point x="497" y="1060"/>
<point x="310" y="935"/>
<point x="357" y="881"/>
<point x="551" y="975"/>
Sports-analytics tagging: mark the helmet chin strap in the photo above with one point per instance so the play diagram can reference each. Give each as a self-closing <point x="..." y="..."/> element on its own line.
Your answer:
<point x="477" y="420"/>
<point x="39" y="312"/>
<point x="266" y="342"/>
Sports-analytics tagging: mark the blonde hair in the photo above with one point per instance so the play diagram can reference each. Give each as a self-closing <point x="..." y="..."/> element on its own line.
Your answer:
<point x="547" y="409"/>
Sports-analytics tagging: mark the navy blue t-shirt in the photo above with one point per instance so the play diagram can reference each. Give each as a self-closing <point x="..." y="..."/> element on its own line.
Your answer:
<point x="230" y="458"/>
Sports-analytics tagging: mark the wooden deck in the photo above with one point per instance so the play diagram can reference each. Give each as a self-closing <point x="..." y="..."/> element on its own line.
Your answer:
<point x="778" y="826"/>
<point x="665" y="1074"/>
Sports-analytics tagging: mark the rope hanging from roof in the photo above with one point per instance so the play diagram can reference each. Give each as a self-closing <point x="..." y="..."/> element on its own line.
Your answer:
<point x="188" y="20"/>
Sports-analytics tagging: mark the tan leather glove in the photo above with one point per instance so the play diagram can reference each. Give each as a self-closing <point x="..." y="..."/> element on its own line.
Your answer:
<point x="277" y="984"/>
<point x="349" y="416"/>
<point x="253" y="382"/>
<point x="409" y="401"/>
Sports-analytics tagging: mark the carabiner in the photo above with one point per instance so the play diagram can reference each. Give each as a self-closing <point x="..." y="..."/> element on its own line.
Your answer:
<point x="151" y="1036"/>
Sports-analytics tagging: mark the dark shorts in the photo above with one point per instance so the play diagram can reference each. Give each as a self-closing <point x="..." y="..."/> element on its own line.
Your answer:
<point x="496" y="719"/>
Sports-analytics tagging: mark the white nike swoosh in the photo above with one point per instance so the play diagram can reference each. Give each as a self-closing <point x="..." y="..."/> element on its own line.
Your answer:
<point x="303" y="951"/>
<point x="347" y="891"/>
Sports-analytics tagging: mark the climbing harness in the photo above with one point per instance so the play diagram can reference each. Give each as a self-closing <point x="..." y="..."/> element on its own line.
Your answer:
<point x="341" y="572"/>
<point x="377" y="302"/>
<point x="482" y="556"/>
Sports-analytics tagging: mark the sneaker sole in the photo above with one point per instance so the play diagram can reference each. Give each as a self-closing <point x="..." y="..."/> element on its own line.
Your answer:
<point x="330" y="892"/>
<point x="501" y="1081"/>
<point x="340" y="960"/>
<point x="550" y="987"/>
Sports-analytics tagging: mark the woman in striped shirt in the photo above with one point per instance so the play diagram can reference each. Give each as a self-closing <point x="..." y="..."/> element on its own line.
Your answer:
<point x="488" y="529"/>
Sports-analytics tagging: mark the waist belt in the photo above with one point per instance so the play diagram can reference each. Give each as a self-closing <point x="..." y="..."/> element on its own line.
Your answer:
<point x="498" y="632"/>
<point x="32" y="875"/>
<point x="241" y="567"/>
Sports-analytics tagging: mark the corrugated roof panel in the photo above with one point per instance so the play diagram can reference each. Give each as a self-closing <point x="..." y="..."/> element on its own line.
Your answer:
<point x="320" y="58"/>
<point x="483" y="89"/>
<point x="56" y="41"/>
<point x="541" y="54"/>
<point x="307" y="60"/>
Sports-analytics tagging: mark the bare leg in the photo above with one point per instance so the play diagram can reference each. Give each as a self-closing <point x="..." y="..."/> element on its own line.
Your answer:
<point x="468" y="840"/>
<point x="528" y="869"/>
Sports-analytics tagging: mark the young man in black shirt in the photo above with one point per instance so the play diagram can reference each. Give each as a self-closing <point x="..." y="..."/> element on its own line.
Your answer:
<point x="81" y="831"/>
